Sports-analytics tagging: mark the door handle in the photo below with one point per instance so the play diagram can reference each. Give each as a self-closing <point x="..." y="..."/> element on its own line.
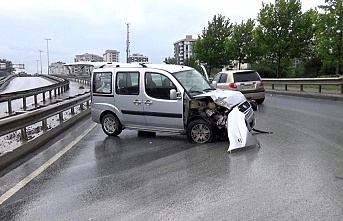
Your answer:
<point x="148" y="102"/>
<point x="137" y="102"/>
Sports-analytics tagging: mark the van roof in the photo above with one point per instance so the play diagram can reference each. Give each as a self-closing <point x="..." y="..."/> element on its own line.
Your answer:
<point x="166" y="67"/>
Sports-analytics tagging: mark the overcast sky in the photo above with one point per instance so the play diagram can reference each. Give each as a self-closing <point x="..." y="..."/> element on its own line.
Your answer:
<point x="93" y="26"/>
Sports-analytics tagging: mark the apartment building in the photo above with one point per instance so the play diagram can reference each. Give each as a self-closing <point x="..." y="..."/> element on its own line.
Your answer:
<point x="183" y="49"/>
<point x="111" y="56"/>
<point x="135" y="57"/>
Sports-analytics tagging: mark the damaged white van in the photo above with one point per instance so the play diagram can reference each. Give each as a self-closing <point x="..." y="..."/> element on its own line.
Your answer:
<point x="168" y="98"/>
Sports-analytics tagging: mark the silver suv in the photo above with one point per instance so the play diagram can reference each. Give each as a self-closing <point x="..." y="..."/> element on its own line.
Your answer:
<point x="164" y="98"/>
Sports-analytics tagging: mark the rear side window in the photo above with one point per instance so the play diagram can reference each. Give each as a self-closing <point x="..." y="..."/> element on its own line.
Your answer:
<point x="127" y="83"/>
<point x="246" y="76"/>
<point x="217" y="77"/>
<point x="223" y="78"/>
<point x="102" y="82"/>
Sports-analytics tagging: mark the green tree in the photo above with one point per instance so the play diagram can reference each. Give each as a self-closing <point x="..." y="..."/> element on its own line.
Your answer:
<point x="192" y="62"/>
<point x="283" y="32"/>
<point x="210" y="46"/>
<point x="9" y="66"/>
<point x="329" y="33"/>
<point x="241" y="45"/>
<point x="170" y="60"/>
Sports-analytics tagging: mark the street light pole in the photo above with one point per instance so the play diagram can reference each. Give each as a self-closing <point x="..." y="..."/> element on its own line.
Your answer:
<point x="37" y="66"/>
<point x="40" y="58"/>
<point x="47" y="51"/>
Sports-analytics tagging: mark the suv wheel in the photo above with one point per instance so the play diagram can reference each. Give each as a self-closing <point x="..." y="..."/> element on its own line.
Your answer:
<point x="260" y="101"/>
<point x="111" y="125"/>
<point x="200" y="131"/>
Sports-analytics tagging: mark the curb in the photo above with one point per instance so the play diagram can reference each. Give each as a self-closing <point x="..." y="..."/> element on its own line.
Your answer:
<point x="10" y="157"/>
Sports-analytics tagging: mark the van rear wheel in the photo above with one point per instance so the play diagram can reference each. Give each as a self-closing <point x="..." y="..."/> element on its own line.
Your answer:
<point x="200" y="131"/>
<point x="111" y="125"/>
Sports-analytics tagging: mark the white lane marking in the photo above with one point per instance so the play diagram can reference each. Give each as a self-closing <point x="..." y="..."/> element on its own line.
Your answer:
<point x="38" y="171"/>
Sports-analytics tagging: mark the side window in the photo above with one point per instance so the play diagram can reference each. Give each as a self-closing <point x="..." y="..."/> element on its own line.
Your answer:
<point x="102" y="82"/>
<point x="223" y="78"/>
<point x="158" y="85"/>
<point x="217" y="77"/>
<point x="127" y="83"/>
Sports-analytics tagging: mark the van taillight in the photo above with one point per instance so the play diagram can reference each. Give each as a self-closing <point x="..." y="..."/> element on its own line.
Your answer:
<point x="232" y="85"/>
<point x="261" y="84"/>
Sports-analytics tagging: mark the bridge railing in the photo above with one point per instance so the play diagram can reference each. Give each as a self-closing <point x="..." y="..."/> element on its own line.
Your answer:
<point x="318" y="82"/>
<point x="61" y="86"/>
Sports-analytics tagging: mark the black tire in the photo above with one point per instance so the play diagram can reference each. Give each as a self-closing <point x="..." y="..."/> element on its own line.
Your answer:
<point x="260" y="101"/>
<point x="200" y="131"/>
<point x="111" y="125"/>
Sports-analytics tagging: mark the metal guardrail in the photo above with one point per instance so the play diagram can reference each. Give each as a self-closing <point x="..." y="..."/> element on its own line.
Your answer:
<point x="61" y="86"/>
<point x="21" y="121"/>
<point x="5" y="80"/>
<point x="305" y="81"/>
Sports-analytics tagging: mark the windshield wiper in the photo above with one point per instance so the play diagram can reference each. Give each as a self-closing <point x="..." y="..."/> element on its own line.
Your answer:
<point x="209" y="89"/>
<point x="195" y="91"/>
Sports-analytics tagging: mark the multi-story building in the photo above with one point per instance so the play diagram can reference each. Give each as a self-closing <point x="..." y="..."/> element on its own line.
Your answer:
<point x="111" y="56"/>
<point x="88" y="57"/>
<point x="183" y="49"/>
<point x="84" y="69"/>
<point x="135" y="57"/>
<point x="58" y="68"/>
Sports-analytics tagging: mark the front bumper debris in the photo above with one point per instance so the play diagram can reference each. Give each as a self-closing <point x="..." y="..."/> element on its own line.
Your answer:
<point x="238" y="132"/>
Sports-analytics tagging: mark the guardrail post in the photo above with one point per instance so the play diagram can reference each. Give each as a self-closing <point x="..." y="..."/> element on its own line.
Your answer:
<point x="55" y="92"/>
<point x="23" y="134"/>
<point x="319" y="88"/>
<point x="82" y="107"/>
<point x="60" y="117"/>
<point x="45" y="125"/>
<point x="9" y="106"/>
<point x="273" y="86"/>
<point x="50" y="94"/>
<point x="43" y="94"/>
<point x="87" y="104"/>
<point x="24" y="103"/>
<point x="286" y="87"/>
<point x="72" y="111"/>
<point x="301" y="88"/>
<point x="341" y="88"/>
<point x="36" y="100"/>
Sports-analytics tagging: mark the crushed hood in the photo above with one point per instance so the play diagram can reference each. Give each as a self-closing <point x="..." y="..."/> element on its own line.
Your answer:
<point x="225" y="98"/>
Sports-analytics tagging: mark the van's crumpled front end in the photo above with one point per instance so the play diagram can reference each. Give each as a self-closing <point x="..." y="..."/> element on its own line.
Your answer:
<point x="237" y="117"/>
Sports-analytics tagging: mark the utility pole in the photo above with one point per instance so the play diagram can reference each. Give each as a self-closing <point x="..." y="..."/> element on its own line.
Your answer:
<point x="40" y="58"/>
<point x="37" y="65"/>
<point x="47" y="51"/>
<point x="128" y="43"/>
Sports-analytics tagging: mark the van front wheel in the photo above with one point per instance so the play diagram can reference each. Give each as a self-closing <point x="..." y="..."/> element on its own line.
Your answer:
<point x="111" y="125"/>
<point x="200" y="131"/>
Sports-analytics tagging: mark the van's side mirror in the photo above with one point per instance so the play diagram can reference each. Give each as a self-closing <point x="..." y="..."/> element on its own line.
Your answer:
<point x="172" y="94"/>
<point x="214" y="84"/>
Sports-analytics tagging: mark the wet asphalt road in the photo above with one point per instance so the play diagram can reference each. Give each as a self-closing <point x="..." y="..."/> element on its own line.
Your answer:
<point x="296" y="174"/>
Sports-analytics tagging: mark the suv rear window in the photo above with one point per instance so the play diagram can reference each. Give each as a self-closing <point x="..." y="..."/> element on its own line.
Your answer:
<point x="246" y="76"/>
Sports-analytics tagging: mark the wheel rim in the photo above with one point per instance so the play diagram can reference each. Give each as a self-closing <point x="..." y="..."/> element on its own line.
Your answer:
<point x="201" y="133"/>
<point x="109" y="125"/>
